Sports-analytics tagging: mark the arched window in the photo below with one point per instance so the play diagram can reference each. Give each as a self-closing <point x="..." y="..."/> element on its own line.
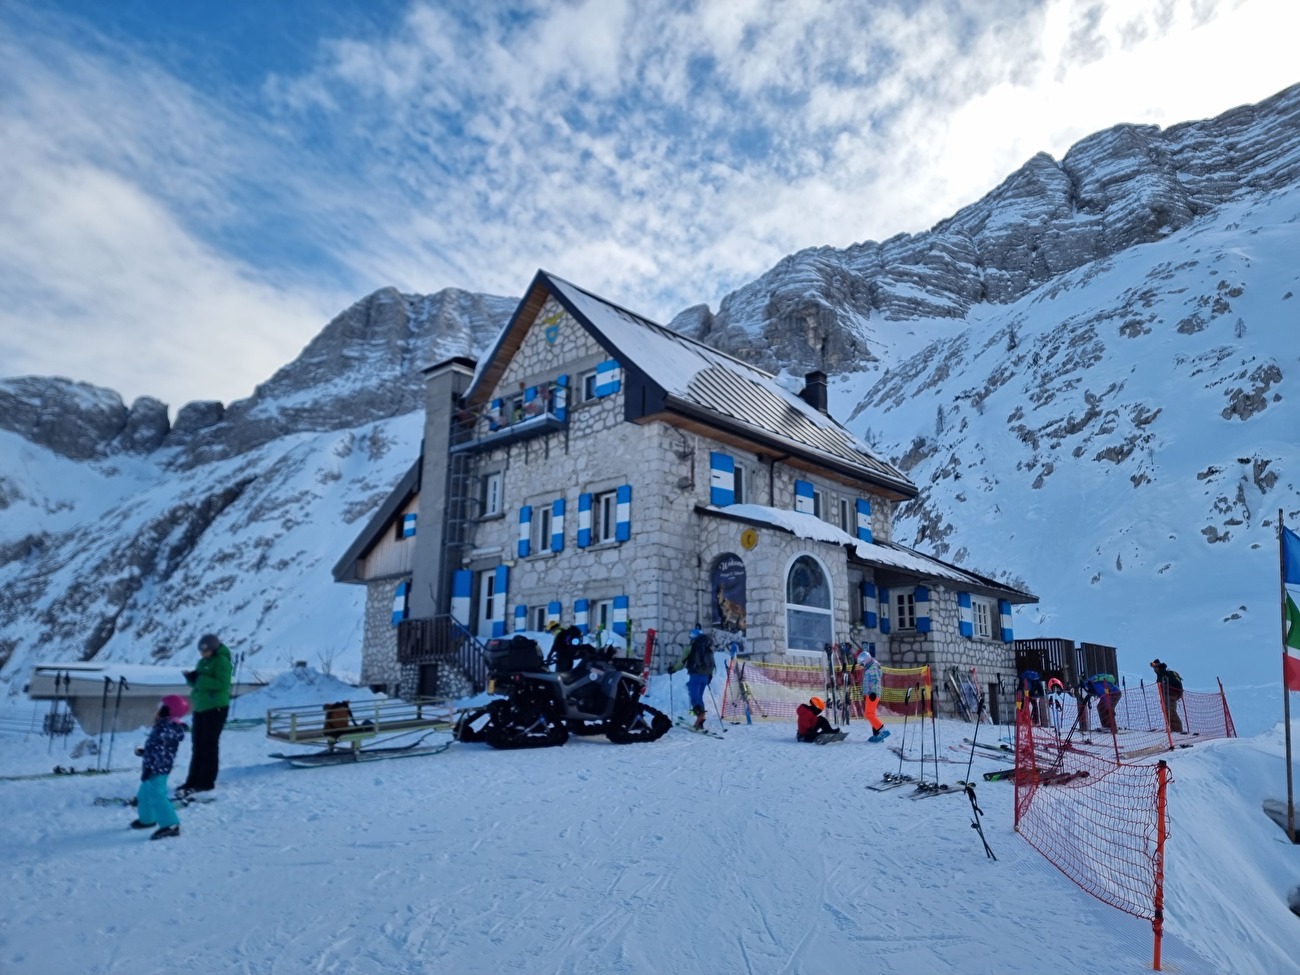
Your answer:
<point x="809" y="619"/>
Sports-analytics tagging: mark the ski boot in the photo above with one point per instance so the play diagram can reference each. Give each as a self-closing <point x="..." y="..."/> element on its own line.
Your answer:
<point x="699" y="719"/>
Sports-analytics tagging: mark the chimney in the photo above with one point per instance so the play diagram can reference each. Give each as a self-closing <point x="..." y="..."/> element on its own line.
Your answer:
<point x="814" y="390"/>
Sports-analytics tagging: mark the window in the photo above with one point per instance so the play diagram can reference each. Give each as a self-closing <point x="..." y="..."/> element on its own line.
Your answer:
<point x="982" y="610"/>
<point x="739" y="486"/>
<point x="539" y="617"/>
<point x="604" y="517"/>
<point x="541" y="529"/>
<point x="809" y="621"/>
<point x="819" y="502"/>
<point x="492" y="493"/>
<point x="842" y="516"/>
<point x="602" y="617"/>
<point x="587" y="387"/>
<point x="904" y="610"/>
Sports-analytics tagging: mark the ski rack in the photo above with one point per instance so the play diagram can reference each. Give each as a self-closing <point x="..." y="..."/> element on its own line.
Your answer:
<point x="329" y="725"/>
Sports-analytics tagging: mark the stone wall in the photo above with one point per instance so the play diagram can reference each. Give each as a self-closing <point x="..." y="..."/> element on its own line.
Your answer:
<point x="379" y="667"/>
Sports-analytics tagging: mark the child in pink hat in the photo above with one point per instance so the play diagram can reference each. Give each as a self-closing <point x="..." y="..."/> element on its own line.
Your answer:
<point x="154" y="810"/>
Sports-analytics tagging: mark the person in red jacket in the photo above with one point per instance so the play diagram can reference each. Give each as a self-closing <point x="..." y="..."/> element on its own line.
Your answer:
<point x="811" y="721"/>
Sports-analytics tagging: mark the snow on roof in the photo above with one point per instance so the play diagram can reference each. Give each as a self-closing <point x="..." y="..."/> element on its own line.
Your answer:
<point x="883" y="554"/>
<point x="721" y="384"/>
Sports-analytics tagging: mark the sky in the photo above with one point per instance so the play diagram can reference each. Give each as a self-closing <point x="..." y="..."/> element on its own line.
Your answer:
<point x="194" y="190"/>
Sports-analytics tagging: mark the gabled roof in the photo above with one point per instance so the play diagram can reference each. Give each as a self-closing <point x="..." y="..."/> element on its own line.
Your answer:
<point x="668" y="373"/>
<point x="887" y="556"/>
<point x="345" y="570"/>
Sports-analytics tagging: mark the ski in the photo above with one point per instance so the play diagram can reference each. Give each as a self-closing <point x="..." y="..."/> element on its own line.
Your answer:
<point x="1000" y="774"/>
<point x="690" y="726"/>
<point x="923" y="759"/>
<point x="958" y="788"/>
<point x="993" y="748"/>
<point x="827" y="737"/>
<point x="891" y="780"/>
<point x="350" y="757"/>
<point x="60" y="772"/>
<point x="176" y="800"/>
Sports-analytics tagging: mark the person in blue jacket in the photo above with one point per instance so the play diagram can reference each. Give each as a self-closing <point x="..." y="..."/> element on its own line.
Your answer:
<point x="699" y="663"/>
<point x="153" y="808"/>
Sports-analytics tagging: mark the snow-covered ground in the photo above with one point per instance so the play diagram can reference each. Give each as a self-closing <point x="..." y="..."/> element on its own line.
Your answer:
<point x="746" y="853"/>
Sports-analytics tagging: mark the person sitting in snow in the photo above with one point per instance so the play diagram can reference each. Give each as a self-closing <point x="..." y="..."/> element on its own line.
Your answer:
<point x="153" y="809"/>
<point x="811" y="720"/>
<point x="699" y="664"/>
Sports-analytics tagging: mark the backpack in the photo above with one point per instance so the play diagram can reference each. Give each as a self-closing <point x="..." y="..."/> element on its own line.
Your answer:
<point x="1175" y="679"/>
<point x="701" y="659"/>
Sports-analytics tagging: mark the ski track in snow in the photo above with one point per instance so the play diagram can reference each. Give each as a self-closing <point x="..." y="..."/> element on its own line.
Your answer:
<point x="751" y="854"/>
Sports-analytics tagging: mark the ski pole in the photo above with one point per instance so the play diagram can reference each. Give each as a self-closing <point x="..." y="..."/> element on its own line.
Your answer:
<point x="934" y="728"/>
<point x="234" y="694"/>
<point x="902" y="747"/>
<point x="117" y="706"/>
<point x="922" y="734"/>
<point x="54" y="712"/>
<point x="103" y="713"/>
<point x="979" y="713"/>
<point x="721" y="723"/>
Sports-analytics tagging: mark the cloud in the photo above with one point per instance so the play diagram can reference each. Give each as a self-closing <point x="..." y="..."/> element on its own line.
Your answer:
<point x="658" y="152"/>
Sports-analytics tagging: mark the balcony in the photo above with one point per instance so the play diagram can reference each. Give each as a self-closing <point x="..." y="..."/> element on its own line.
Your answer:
<point x="531" y="412"/>
<point x="442" y="639"/>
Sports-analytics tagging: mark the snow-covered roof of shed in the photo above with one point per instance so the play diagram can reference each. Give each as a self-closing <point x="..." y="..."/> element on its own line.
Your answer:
<point x="887" y="555"/>
<point x="713" y="381"/>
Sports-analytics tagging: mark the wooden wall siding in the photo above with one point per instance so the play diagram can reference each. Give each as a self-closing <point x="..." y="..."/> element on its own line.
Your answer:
<point x="389" y="556"/>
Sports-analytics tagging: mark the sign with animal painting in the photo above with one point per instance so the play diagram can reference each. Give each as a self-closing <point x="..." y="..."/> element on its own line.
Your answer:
<point x="728" y="584"/>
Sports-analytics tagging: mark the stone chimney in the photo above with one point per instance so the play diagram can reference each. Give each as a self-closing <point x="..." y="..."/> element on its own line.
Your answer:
<point x="814" y="390"/>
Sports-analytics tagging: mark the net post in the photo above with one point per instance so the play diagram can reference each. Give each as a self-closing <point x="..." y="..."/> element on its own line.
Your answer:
<point x="722" y="711"/>
<point x="1162" y="830"/>
<point x="1229" y="731"/>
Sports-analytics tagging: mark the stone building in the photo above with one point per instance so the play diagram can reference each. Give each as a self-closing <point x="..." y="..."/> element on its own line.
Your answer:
<point x="599" y="469"/>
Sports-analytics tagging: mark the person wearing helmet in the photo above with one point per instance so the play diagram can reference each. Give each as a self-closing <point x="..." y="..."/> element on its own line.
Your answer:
<point x="811" y="720"/>
<point x="153" y="809"/>
<point x="564" y="645"/>
<point x="699" y="663"/>
<point x="210" y="698"/>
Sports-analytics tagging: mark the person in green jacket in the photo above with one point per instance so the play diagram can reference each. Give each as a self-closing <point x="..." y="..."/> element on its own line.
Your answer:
<point x="210" y="703"/>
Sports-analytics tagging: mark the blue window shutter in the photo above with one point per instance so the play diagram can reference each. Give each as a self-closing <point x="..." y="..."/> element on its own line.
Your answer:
<point x="408" y="525"/>
<point x="399" y="601"/>
<point x="1004" y="609"/>
<point x="557" y="525"/>
<point x="803" y="497"/>
<point x="722" y="479"/>
<point x="584" y="520"/>
<point x="494" y="418"/>
<point x="462" y="588"/>
<point x="966" y="615"/>
<point x="623" y="514"/>
<point x="922" y="596"/>
<point x="620" y="616"/>
<point x="499" y="601"/>
<point x="521" y="618"/>
<point x="553" y="609"/>
<point x="525" y="530"/>
<point x="581" y="614"/>
<point x="870" y="606"/>
<point x="864" y="520"/>
<point x="530" y="401"/>
<point x="884" y="610"/>
<point x="609" y="378"/>
<point x="560" y="404"/>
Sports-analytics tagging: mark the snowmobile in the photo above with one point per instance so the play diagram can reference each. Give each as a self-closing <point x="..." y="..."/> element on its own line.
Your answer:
<point x="600" y="695"/>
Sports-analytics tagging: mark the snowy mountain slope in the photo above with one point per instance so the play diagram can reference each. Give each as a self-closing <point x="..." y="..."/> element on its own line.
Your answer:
<point x="241" y="546"/>
<point x="1122" y="438"/>
<point x="749" y="853"/>
<point x="837" y="309"/>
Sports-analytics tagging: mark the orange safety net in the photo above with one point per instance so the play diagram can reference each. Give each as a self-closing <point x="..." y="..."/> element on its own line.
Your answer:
<point x="1097" y="821"/>
<point x="763" y="691"/>
<point x="1144" y="722"/>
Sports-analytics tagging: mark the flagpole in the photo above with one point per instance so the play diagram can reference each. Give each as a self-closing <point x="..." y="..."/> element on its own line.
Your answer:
<point x="1286" y="693"/>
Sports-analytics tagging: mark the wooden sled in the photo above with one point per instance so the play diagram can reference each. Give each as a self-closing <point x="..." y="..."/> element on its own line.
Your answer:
<point x="341" y="732"/>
